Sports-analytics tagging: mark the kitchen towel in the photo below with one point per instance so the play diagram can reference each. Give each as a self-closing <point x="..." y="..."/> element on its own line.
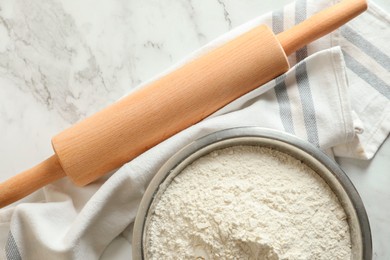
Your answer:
<point x="335" y="97"/>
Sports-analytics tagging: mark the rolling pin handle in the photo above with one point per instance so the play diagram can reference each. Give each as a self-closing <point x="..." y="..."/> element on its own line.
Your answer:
<point x="320" y="24"/>
<point x="31" y="180"/>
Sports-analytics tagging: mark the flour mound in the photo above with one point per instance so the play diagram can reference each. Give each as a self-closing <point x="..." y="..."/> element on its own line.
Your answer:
<point x="248" y="202"/>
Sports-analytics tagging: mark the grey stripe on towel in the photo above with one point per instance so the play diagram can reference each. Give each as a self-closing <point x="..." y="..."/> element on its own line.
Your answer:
<point x="359" y="41"/>
<point x="11" y="249"/>
<point x="366" y="75"/>
<point x="280" y="84"/>
<point x="284" y="104"/>
<point x="309" y="113"/>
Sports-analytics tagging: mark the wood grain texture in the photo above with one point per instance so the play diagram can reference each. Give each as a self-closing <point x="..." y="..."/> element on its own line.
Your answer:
<point x="320" y="24"/>
<point x="174" y="102"/>
<point x="29" y="181"/>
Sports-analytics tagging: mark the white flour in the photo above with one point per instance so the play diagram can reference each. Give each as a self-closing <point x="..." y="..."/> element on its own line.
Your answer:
<point x="248" y="202"/>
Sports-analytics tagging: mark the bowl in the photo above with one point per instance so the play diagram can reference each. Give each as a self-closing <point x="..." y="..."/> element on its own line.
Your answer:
<point x="325" y="167"/>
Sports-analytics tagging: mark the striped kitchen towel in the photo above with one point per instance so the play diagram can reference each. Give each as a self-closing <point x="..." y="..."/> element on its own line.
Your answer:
<point x="336" y="96"/>
<point x="366" y="50"/>
<point x="365" y="44"/>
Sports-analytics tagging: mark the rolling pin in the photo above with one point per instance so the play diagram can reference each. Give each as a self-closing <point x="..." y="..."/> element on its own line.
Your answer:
<point x="129" y="127"/>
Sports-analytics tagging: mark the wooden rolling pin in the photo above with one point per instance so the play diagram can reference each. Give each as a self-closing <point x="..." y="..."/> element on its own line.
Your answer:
<point x="122" y="131"/>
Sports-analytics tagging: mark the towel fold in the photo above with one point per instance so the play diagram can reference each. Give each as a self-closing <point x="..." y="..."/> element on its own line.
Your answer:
<point x="336" y="96"/>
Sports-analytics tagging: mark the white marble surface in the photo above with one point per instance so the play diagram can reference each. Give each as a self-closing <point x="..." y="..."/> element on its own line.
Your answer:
<point x="61" y="61"/>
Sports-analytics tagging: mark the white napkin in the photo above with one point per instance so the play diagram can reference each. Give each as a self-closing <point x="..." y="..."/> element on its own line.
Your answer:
<point x="337" y="98"/>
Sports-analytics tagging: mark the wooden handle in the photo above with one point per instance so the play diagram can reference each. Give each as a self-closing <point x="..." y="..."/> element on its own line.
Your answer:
<point x="320" y="24"/>
<point x="29" y="181"/>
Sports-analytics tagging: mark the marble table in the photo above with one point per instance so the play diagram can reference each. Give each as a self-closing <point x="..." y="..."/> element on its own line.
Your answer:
<point x="61" y="61"/>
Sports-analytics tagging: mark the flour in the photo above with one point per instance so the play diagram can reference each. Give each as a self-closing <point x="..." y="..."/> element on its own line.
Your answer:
<point x="248" y="202"/>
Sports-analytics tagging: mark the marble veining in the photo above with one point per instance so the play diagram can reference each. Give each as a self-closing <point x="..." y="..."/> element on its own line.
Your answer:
<point x="62" y="60"/>
<point x="226" y="14"/>
<point x="45" y="54"/>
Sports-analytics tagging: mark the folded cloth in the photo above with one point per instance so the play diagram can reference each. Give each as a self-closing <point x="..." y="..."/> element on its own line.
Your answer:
<point x="336" y="98"/>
